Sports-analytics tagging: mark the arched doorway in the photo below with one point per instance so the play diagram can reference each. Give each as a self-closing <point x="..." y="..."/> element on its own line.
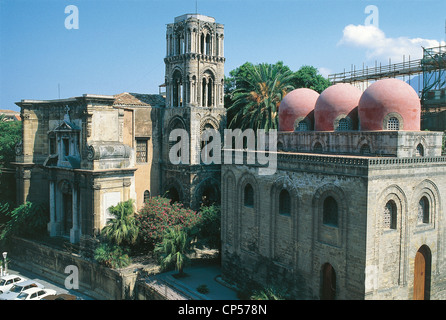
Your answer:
<point x="422" y="274"/>
<point x="328" y="288"/>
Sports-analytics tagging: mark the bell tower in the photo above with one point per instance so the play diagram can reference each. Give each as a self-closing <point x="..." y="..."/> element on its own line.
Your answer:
<point x="194" y="62"/>
<point x="194" y="81"/>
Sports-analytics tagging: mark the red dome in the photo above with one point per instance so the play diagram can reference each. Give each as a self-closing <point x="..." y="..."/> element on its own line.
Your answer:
<point x="337" y="100"/>
<point x="298" y="103"/>
<point x="389" y="98"/>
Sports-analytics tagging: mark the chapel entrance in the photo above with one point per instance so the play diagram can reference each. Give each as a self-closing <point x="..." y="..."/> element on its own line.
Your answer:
<point x="328" y="289"/>
<point x="422" y="274"/>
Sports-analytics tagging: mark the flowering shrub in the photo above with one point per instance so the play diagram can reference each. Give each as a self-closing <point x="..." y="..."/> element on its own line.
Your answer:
<point x="158" y="214"/>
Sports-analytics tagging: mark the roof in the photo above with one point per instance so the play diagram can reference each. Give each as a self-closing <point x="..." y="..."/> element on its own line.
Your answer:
<point x="138" y="99"/>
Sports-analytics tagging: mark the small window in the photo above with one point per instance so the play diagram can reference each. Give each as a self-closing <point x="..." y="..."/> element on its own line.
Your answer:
<point x="393" y="124"/>
<point x="249" y="196"/>
<point x="344" y="124"/>
<point x="419" y="150"/>
<point x="66" y="146"/>
<point x="365" y="149"/>
<point x="423" y="210"/>
<point x="330" y="212"/>
<point x="302" y="126"/>
<point x="284" y="202"/>
<point x="141" y="150"/>
<point x="146" y="196"/>
<point x="317" y="147"/>
<point x="53" y="145"/>
<point x="390" y="215"/>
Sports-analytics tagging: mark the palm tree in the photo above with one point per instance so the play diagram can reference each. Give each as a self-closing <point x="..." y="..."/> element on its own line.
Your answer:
<point x="255" y="104"/>
<point x="174" y="248"/>
<point x="123" y="227"/>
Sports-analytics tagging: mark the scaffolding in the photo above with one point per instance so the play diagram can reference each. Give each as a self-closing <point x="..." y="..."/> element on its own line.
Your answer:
<point x="433" y="95"/>
<point x="431" y="70"/>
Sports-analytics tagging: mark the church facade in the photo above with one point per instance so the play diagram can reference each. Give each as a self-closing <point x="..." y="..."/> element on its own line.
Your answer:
<point x="82" y="155"/>
<point x="355" y="208"/>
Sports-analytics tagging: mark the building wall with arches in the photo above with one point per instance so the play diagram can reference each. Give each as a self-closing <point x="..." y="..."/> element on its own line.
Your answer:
<point x="332" y="225"/>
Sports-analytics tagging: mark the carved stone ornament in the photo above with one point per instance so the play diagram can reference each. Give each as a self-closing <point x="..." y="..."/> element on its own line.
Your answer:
<point x="19" y="148"/>
<point x="90" y="153"/>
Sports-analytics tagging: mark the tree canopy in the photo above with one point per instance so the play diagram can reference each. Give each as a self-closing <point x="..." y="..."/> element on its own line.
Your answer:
<point x="253" y="92"/>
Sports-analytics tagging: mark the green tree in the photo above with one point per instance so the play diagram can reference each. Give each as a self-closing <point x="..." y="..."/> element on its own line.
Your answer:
<point x="123" y="227"/>
<point x="174" y="248"/>
<point x="257" y="96"/>
<point x="309" y="77"/>
<point x="28" y="219"/>
<point x="209" y="227"/>
<point x="112" y="256"/>
<point x="11" y="132"/>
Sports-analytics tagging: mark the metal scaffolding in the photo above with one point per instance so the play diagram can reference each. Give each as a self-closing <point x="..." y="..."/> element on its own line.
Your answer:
<point x="433" y="96"/>
<point x="431" y="70"/>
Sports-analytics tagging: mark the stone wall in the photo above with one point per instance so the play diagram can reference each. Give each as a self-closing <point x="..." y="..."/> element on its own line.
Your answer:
<point x="263" y="245"/>
<point x="94" y="280"/>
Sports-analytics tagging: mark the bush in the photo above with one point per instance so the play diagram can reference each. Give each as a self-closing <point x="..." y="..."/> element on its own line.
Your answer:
<point x="121" y="229"/>
<point x="112" y="256"/>
<point x="209" y="227"/>
<point x="158" y="215"/>
<point x="28" y="219"/>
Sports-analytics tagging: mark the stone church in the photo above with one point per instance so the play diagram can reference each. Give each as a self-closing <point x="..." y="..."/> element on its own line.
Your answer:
<point x="354" y="210"/>
<point x="84" y="154"/>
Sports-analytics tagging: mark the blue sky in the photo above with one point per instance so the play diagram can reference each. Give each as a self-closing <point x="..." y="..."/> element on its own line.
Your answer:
<point x="120" y="45"/>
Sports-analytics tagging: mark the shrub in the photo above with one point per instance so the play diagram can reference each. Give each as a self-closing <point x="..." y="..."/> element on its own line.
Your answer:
<point x="209" y="227"/>
<point x="112" y="256"/>
<point x="28" y="219"/>
<point x="203" y="289"/>
<point x="122" y="229"/>
<point x="174" y="248"/>
<point x="158" y="214"/>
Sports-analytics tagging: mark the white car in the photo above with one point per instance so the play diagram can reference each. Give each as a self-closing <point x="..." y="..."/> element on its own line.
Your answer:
<point x="8" y="281"/>
<point x="18" y="288"/>
<point x="35" y="294"/>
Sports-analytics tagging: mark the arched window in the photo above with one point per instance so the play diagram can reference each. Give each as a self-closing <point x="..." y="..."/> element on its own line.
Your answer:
<point x="423" y="210"/>
<point x="390" y="215"/>
<point x="146" y="196"/>
<point x="302" y="126"/>
<point x="344" y="124"/>
<point x="393" y="124"/>
<point x="284" y="202"/>
<point x="317" y="147"/>
<point x="330" y="212"/>
<point x="365" y="149"/>
<point x="177" y="89"/>
<point x="419" y="150"/>
<point x="249" y="196"/>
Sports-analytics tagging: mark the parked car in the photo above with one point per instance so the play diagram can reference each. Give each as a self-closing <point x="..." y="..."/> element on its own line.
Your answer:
<point x="6" y="282"/>
<point x="61" y="296"/>
<point x="35" y="294"/>
<point x="18" y="288"/>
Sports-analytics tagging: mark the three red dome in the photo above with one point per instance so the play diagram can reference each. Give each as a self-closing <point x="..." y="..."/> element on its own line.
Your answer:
<point x="385" y="102"/>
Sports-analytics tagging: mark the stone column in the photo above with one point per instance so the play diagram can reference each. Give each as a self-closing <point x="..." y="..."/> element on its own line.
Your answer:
<point x="74" y="232"/>
<point x="53" y="224"/>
